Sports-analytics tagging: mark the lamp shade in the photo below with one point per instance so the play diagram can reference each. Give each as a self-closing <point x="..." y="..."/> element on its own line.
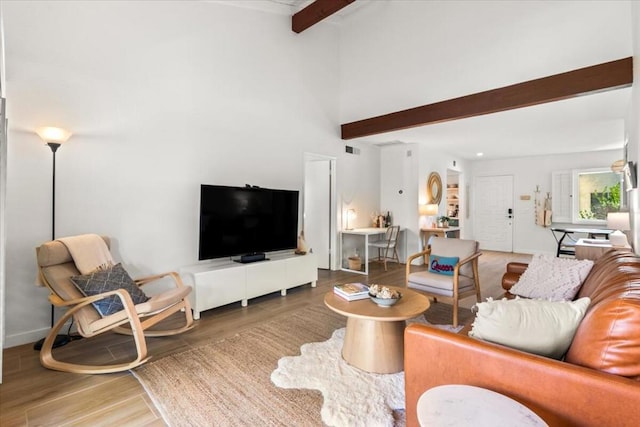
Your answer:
<point x="52" y="134"/>
<point x="428" y="210"/>
<point x="618" y="221"/>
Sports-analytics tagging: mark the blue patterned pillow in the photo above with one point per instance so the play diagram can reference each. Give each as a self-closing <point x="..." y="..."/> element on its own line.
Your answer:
<point x="109" y="279"/>
<point x="442" y="265"/>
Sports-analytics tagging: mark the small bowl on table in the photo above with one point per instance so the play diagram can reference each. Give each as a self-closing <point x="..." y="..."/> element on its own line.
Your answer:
<point x="385" y="302"/>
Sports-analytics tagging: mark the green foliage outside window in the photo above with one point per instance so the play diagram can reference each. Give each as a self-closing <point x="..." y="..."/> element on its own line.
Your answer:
<point x="603" y="202"/>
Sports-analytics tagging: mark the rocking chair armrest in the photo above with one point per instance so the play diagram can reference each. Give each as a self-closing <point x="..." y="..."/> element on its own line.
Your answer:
<point x="176" y="278"/>
<point x="78" y="303"/>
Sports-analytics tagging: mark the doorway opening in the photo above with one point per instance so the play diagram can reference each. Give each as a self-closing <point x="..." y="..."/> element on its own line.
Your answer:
<point x="319" y="217"/>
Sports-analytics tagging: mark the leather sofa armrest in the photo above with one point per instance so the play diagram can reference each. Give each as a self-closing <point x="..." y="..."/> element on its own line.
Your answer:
<point x="560" y="393"/>
<point x="517" y="267"/>
<point x="513" y="273"/>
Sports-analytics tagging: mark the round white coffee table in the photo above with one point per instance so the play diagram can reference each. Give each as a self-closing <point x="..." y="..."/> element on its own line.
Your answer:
<point x="465" y="405"/>
<point x="374" y="337"/>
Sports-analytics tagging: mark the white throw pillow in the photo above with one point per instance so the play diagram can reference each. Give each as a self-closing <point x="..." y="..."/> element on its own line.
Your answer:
<point x="535" y="326"/>
<point x="552" y="278"/>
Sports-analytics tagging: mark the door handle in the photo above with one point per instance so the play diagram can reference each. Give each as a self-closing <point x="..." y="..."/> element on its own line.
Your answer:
<point x="510" y="213"/>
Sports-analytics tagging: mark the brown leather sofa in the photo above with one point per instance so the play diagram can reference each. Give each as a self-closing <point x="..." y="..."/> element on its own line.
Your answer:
<point x="598" y="382"/>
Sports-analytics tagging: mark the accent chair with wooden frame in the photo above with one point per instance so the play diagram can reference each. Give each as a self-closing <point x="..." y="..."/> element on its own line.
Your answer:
<point x="457" y="281"/>
<point x="56" y="267"/>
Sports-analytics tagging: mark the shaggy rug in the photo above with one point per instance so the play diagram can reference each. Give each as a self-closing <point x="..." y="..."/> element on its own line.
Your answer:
<point x="228" y="383"/>
<point x="352" y="397"/>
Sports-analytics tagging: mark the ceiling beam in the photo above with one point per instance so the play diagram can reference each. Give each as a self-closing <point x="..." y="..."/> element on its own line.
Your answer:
<point x="583" y="81"/>
<point x="316" y="12"/>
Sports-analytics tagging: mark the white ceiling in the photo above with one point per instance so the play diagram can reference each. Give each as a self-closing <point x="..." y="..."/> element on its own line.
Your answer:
<point x="587" y="123"/>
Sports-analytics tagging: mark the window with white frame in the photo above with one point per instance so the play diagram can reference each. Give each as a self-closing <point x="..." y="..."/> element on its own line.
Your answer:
<point x="585" y="196"/>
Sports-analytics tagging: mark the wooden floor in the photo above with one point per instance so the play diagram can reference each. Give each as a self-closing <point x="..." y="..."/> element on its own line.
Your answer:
<point x="33" y="396"/>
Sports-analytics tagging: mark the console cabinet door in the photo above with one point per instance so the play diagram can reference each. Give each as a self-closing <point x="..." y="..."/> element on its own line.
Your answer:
<point x="218" y="287"/>
<point x="265" y="277"/>
<point x="301" y="269"/>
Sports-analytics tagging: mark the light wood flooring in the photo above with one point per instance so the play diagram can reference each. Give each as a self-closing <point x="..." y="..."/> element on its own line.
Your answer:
<point x="33" y="396"/>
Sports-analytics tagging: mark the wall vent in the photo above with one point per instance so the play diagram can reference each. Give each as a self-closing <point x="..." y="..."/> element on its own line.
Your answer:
<point x="351" y="150"/>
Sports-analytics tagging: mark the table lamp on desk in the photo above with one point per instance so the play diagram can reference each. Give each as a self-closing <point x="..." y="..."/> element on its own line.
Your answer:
<point x="429" y="210"/>
<point x="619" y="222"/>
<point x="350" y="217"/>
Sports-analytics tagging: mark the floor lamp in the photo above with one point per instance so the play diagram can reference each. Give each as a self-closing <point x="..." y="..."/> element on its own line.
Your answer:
<point x="54" y="138"/>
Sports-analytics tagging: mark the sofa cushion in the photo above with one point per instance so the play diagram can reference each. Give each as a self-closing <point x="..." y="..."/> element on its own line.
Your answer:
<point x="552" y="278"/>
<point x="608" y="339"/>
<point x="109" y="279"/>
<point x="541" y="327"/>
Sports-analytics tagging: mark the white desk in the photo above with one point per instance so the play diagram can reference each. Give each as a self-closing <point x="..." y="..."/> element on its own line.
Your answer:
<point x="355" y="239"/>
<point x="465" y="405"/>
<point x="594" y="248"/>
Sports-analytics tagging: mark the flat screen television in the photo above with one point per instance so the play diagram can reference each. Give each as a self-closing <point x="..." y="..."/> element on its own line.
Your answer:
<point x="246" y="220"/>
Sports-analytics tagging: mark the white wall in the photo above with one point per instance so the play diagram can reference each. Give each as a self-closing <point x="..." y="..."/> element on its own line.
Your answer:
<point x="529" y="172"/>
<point x="399" y="192"/>
<point x="161" y="97"/>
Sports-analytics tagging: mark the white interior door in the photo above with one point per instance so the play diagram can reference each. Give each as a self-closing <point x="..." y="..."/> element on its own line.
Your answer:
<point x="493" y="212"/>
<point x="317" y="209"/>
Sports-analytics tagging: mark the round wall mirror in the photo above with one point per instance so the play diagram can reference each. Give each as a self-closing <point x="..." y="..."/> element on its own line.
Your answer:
<point x="434" y="188"/>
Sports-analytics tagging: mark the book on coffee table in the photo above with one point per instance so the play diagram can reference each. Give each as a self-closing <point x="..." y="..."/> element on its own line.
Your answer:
<point x="352" y="291"/>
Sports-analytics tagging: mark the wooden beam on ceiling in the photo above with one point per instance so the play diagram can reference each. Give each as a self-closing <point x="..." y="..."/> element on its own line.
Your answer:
<point x="602" y="77"/>
<point x="316" y="12"/>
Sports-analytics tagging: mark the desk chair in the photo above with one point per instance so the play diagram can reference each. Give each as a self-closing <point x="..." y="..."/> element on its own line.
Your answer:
<point x="387" y="248"/>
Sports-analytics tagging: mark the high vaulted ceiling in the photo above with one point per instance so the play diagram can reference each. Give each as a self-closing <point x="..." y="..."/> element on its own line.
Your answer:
<point x="596" y="121"/>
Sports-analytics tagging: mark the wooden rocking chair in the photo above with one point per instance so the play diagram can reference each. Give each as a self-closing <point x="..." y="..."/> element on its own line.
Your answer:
<point x="56" y="267"/>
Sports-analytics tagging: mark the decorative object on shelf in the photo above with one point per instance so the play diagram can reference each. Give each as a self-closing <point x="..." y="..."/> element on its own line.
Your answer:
<point x="302" y="248"/>
<point x="53" y="137"/>
<point x="378" y="220"/>
<point x="443" y="222"/>
<point x="434" y="188"/>
<point x="350" y="217"/>
<point x="618" y="221"/>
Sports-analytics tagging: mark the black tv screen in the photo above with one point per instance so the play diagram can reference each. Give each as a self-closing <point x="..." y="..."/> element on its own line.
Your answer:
<point x="246" y="220"/>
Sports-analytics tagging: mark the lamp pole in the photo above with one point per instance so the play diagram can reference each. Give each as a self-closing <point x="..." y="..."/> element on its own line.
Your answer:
<point x="54" y="147"/>
<point x="50" y="136"/>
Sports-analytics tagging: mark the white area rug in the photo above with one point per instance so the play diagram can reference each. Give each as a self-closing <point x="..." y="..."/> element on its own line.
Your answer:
<point x="421" y="319"/>
<point x="352" y="397"/>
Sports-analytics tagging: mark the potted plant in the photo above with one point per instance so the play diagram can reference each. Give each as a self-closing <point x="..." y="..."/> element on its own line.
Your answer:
<point x="443" y="222"/>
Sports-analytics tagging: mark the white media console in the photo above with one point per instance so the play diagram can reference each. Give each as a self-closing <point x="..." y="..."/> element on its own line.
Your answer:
<point x="220" y="283"/>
